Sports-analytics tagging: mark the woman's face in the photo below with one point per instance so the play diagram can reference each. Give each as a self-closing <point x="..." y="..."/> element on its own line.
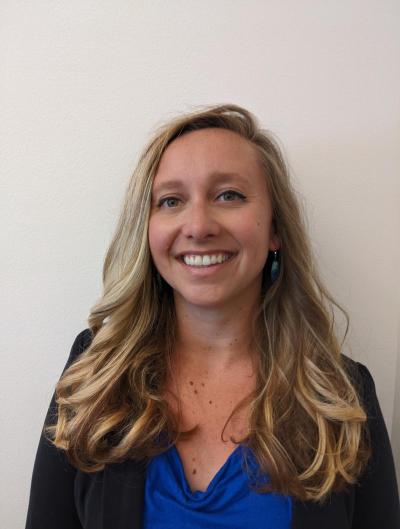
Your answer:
<point x="209" y="198"/>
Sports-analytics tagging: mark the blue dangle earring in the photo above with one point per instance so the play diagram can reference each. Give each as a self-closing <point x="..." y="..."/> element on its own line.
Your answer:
<point x="275" y="267"/>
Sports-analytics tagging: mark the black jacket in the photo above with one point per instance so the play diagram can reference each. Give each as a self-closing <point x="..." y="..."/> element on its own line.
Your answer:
<point x="65" y="498"/>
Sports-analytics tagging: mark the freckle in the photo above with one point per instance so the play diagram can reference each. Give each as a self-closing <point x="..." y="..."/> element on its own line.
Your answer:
<point x="195" y="391"/>
<point x="193" y="459"/>
<point x="191" y="383"/>
<point x="194" y="471"/>
<point x="210" y="401"/>
<point x="202" y="384"/>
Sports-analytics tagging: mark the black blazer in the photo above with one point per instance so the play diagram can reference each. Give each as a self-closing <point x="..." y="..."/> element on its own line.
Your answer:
<point x="62" y="497"/>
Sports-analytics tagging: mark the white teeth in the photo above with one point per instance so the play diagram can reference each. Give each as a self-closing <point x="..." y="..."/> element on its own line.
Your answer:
<point x="205" y="260"/>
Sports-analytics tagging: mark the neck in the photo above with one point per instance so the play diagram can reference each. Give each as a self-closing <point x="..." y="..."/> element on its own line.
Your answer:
<point x="214" y="340"/>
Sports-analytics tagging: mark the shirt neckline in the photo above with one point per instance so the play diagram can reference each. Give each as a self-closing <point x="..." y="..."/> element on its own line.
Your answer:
<point x="214" y="480"/>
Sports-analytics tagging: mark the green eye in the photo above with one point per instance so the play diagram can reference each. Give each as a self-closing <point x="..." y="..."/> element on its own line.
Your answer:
<point x="234" y="195"/>
<point x="164" y="200"/>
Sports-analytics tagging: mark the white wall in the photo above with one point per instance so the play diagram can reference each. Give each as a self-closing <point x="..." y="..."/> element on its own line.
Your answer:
<point x="82" y="85"/>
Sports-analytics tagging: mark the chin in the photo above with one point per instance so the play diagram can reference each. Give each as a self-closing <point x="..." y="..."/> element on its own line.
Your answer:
<point x="204" y="301"/>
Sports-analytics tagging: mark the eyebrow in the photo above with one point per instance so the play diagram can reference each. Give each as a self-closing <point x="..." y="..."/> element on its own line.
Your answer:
<point x="215" y="177"/>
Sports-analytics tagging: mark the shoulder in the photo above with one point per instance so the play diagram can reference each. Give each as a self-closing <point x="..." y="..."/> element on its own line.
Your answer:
<point x="362" y="381"/>
<point x="377" y="495"/>
<point x="83" y="339"/>
<point x="355" y="368"/>
<point x="81" y="342"/>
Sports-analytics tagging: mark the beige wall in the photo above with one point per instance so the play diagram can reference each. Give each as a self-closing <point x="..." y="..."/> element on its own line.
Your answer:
<point x="83" y="82"/>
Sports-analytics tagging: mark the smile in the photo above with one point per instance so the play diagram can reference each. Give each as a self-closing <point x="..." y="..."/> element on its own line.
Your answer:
<point x="205" y="260"/>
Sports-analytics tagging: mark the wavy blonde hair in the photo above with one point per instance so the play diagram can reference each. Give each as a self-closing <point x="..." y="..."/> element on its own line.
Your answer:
<point x="307" y="424"/>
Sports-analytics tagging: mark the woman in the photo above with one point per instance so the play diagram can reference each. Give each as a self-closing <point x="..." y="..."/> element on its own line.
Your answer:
<point x="209" y="389"/>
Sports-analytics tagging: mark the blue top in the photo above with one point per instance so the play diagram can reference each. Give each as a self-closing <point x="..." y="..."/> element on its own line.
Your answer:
<point x="228" y="502"/>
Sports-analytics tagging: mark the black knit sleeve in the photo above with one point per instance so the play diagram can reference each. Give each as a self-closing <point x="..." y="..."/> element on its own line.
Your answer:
<point x="51" y="501"/>
<point x="377" y="497"/>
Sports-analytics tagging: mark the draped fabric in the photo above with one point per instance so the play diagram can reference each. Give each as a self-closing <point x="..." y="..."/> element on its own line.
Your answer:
<point x="228" y="501"/>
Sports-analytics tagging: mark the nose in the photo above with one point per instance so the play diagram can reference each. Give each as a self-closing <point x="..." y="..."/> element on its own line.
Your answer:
<point x="200" y="222"/>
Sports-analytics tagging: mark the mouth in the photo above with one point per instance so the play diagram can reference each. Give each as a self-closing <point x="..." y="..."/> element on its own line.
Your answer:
<point x="211" y="262"/>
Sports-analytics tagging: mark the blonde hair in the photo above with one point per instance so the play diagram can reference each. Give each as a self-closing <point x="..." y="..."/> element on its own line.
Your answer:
<point x="307" y="425"/>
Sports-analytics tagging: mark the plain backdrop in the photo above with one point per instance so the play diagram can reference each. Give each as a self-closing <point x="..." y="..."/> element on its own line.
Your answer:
<point x="83" y="84"/>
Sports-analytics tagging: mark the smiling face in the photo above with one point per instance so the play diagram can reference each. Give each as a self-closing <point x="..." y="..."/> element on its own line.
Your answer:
<point x="209" y="197"/>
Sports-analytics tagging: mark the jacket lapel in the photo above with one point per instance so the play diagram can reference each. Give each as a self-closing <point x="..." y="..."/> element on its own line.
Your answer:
<point x="123" y="495"/>
<point x="112" y="498"/>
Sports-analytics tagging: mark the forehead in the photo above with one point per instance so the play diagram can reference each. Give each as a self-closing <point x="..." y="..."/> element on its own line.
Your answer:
<point x="209" y="153"/>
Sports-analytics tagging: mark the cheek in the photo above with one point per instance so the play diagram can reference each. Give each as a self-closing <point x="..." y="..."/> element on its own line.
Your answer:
<point x="256" y="236"/>
<point x="256" y="230"/>
<point x="153" y="238"/>
<point x="158" y="239"/>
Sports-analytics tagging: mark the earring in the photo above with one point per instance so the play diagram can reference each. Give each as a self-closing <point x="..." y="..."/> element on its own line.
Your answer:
<point x="275" y="267"/>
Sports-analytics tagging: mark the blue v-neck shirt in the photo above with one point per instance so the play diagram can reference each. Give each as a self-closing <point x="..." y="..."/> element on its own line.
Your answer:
<point x="228" y="501"/>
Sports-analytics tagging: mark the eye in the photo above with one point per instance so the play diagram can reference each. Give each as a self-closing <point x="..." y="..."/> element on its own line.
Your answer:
<point x="167" y="200"/>
<point x="172" y="202"/>
<point x="231" y="192"/>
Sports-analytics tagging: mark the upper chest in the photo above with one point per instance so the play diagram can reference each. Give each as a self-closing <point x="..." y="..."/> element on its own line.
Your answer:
<point x="208" y="403"/>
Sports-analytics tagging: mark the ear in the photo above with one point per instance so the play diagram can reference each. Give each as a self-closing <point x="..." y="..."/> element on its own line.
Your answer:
<point x="274" y="239"/>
